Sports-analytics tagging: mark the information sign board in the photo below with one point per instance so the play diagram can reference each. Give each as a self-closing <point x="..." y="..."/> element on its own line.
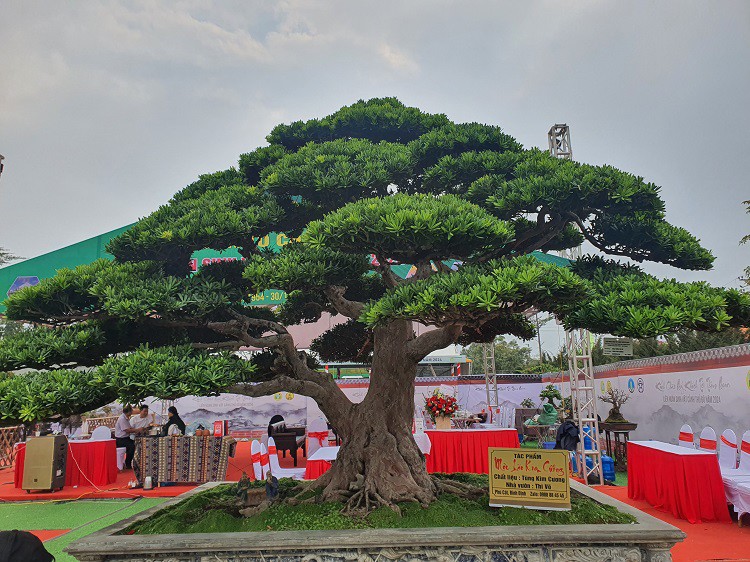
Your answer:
<point x="533" y="478"/>
<point x="620" y="347"/>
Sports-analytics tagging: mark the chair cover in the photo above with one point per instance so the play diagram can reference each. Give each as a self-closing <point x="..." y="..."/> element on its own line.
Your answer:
<point x="121" y="452"/>
<point x="101" y="433"/>
<point x="728" y="451"/>
<point x="317" y="435"/>
<point x="255" y="458"/>
<point x="707" y="441"/>
<point x="276" y="470"/>
<point x="686" y="438"/>
<point x="264" y="462"/>
<point x="740" y="475"/>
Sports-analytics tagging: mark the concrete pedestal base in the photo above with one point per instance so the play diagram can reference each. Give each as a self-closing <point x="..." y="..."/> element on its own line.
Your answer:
<point x="650" y="540"/>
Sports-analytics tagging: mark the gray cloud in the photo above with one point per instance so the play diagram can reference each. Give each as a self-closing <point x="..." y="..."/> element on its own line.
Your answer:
<point x="108" y="108"/>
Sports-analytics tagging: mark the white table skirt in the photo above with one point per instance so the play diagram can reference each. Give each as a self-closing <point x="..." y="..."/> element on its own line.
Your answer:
<point x="738" y="494"/>
<point x="673" y="449"/>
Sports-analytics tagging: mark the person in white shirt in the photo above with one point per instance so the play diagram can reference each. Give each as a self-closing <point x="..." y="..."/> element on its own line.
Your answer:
<point x="142" y="420"/>
<point x="123" y="431"/>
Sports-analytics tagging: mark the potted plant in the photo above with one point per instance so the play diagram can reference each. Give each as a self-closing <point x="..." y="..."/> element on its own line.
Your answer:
<point x="549" y="414"/>
<point x="615" y="420"/>
<point x="440" y="408"/>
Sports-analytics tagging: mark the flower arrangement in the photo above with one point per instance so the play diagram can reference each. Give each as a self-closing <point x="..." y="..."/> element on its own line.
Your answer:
<point x="440" y="405"/>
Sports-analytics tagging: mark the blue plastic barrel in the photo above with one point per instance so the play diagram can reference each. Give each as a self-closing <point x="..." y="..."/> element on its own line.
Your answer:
<point x="549" y="444"/>
<point x="608" y="468"/>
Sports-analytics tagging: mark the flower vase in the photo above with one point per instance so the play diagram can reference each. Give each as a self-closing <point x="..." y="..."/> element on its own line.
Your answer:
<point x="442" y="422"/>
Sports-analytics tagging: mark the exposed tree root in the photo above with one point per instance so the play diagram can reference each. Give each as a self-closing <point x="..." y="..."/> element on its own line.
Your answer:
<point x="459" y="489"/>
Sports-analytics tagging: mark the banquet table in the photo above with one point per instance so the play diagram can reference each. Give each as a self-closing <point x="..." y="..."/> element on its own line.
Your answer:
<point x="465" y="450"/>
<point x="320" y="461"/>
<point x="684" y="482"/>
<point x="89" y="462"/>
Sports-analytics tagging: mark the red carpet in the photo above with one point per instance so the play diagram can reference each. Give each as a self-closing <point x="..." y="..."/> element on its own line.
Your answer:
<point x="236" y="466"/>
<point x="45" y="536"/>
<point x="704" y="542"/>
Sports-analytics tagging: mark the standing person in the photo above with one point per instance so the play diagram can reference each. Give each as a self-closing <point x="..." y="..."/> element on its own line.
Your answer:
<point x="123" y="431"/>
<point x="142" y="420"/>
<point x="174" y="419"/>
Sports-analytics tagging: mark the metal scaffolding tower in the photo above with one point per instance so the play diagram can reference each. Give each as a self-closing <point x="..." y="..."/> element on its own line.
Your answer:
<point x="578" y="345"/>
<point x="490" y="379"/>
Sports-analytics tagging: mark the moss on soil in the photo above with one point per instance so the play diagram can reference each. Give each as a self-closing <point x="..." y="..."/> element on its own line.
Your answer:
<point x="215" y="511"/>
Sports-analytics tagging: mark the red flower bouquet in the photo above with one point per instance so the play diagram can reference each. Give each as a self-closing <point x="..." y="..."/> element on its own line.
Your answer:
<point x="440" y="405"/>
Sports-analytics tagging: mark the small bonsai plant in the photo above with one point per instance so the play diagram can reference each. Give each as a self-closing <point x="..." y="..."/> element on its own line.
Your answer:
<point x="617" y="398"/>
<point x="550" y="394"/>
<point x="527" y="403"/>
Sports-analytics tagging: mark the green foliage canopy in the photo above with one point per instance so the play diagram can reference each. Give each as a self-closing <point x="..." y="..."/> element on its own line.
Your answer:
<point x="379" y="178"/>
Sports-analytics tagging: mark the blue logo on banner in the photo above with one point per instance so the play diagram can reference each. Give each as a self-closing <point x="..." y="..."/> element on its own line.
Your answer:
<point x="21" y="282"/>
<point x="631" y="385"/>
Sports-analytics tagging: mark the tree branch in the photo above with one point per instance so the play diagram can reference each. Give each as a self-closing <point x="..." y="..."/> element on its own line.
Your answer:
<point x="389" y="278"/>
<point x="433" y="340"/>
<point x="350" y="309"/>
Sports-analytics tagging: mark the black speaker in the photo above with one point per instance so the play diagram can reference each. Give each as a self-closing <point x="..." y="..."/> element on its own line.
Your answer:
<point x="44" y="464"/>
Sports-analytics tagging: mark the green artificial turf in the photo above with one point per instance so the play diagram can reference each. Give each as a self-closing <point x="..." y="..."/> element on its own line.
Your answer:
<point x="83" y="517"/>
<point x="215" y="511"/>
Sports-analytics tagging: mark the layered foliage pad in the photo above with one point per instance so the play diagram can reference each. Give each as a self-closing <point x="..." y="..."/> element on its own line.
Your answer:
<point x="165" y="373"/>
<point x="475" y="294"/>
<point x="377" y="178"/>
<point x="411" y="229"/>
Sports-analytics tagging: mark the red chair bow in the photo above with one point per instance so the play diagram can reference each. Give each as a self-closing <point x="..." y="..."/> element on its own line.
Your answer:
<point x="272" y="450"/>
<point x="264" y="459"/>
<point x="321" y="436"/>
<point x="255" y="457"/>
<point x="728" y="443"/>
<point x="685" y="436"/>
<point x="708" y="444"/>
<point x="745" y="447"/>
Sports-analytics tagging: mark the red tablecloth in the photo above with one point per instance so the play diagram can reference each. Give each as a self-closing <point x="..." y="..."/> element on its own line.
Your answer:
<point x="314" y="469"/>
<point x="465" y="450"/>
<point x="677" y="480"/>
<point x="88" y="462"/>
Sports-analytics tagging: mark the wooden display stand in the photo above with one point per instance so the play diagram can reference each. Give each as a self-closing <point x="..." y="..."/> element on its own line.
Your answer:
<point x="617" y="448"/>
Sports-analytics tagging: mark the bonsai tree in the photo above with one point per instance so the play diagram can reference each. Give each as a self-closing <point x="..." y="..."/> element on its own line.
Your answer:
<point x="550" y="394"/>
<point x="363" y="191"/>
<point x="617" y="398"/>
<point x="528" y="403"/>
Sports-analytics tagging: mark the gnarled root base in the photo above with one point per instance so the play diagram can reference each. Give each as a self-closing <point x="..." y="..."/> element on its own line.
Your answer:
<point x="381" y="469"/>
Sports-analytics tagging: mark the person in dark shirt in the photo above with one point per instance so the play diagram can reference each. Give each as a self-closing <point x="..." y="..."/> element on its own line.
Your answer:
<point x="174" y="419"/>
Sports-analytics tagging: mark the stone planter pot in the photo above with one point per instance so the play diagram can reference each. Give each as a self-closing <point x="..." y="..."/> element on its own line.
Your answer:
<point x="442" y="422"/>
<point x="649" y="540"/>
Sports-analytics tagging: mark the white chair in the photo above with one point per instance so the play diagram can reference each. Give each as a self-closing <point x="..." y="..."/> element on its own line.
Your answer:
<point x="317" y="435"/>
<point x="727" y="451"/>
<point x="264" y="462"/>
<point x="686" y="438"/>
<point x="742" y="472"/>
<point x="121" y="452"/>
<point x="276" y="470"/>
<point x="101" y="433"/>
<point x="707" y="440"/>
<point x="255" y="458"/>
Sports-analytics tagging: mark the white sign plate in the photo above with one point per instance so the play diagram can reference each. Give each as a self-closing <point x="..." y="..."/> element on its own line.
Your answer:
<point x="620" y="347"/>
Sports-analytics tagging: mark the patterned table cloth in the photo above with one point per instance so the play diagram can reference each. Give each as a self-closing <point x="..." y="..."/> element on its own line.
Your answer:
<point x="183" y="459"/>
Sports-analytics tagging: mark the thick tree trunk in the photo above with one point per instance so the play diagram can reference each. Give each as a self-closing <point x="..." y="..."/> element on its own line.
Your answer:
<point x="379" y="461"/>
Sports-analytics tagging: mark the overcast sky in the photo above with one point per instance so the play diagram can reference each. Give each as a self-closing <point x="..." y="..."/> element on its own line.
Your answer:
<point x="108" y="108"/>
